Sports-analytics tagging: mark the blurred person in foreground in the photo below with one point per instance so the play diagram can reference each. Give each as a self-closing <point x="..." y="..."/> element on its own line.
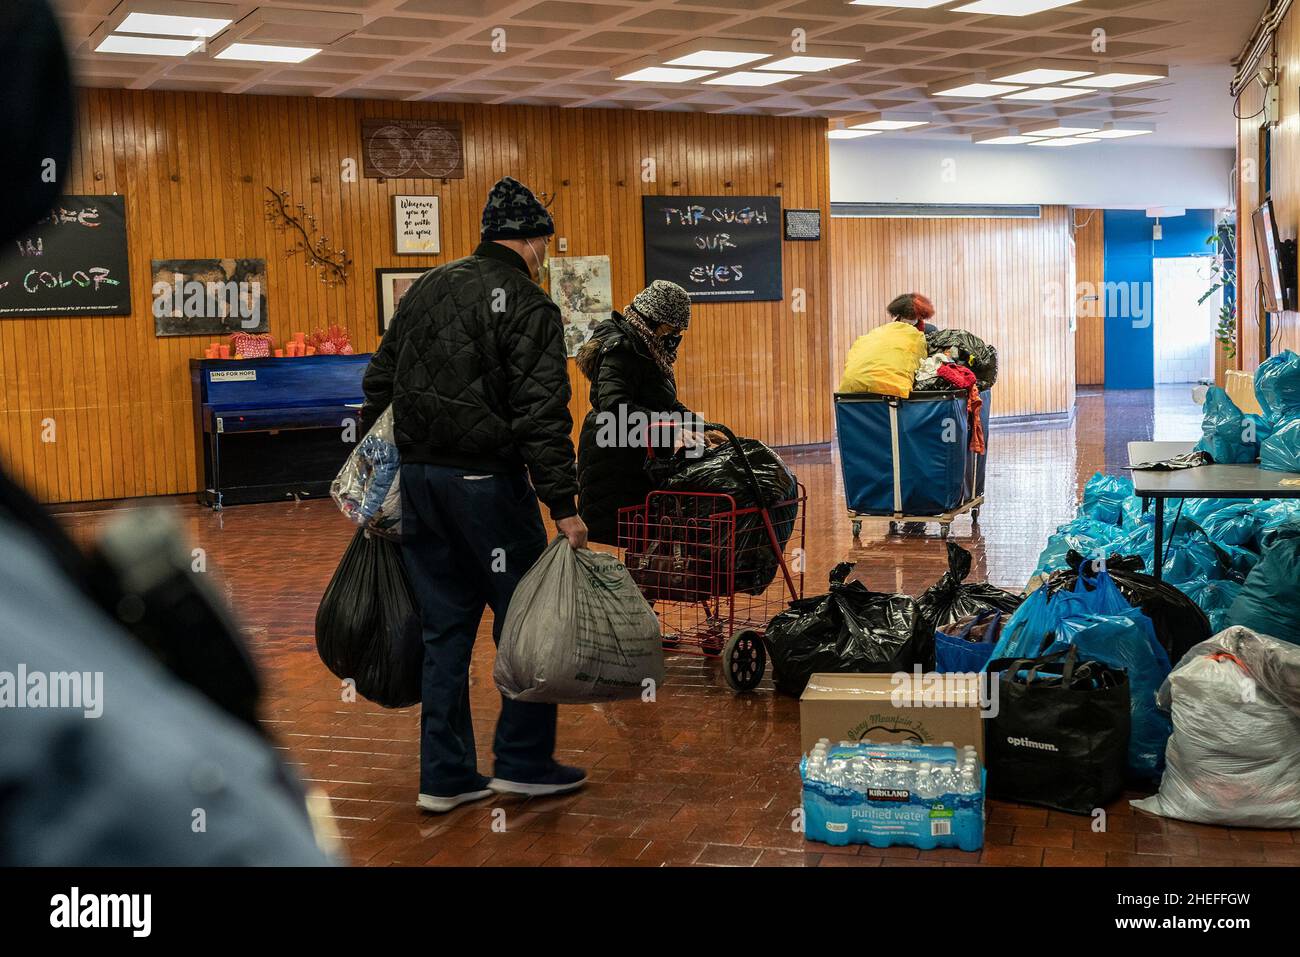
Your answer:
<point x="106" y="758"/>
<point x="475" y="368"/>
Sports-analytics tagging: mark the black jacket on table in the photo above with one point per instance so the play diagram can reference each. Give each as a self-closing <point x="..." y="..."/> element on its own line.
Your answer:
<point x="622" y="374"/>
<point x="475" y="368"/>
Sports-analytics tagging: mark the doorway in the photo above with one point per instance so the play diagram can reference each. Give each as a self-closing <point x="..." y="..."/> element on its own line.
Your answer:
<point x="1183" y="326"/>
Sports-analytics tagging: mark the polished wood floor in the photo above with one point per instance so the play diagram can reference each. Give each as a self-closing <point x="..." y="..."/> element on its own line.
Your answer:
<point x="703" y="776"/>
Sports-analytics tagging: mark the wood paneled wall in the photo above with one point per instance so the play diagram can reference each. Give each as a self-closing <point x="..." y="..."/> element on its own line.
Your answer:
<point x="1090" y="273"/>
<point x="1003" y="279"/>
<point x="1249" y="193"/>
<point x="195" y="167"/>
<point x="1284" y="191"/>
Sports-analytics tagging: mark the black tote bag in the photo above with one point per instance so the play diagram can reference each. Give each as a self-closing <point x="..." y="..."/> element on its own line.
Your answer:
<point x="1060" y="737"/>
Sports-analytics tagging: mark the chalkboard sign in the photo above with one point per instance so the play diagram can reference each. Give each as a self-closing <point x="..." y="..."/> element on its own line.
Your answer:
<point x="72" y="263"/>
<point x="717" y="248"/>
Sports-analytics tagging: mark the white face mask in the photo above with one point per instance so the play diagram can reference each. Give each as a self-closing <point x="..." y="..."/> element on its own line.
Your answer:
<point x="540" y="260"/>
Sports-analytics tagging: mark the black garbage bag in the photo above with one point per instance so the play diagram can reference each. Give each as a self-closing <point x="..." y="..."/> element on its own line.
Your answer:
<point x="755" y="477"/>
<point x="972" y="351"/>
<point x="850" y="630"/>
<point x="368" y="624"/>
<point x="951" y="599"/>
<point x="1179" y="623"/>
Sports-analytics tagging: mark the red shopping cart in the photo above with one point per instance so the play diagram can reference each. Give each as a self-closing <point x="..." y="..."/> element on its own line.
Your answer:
<point x="717" y="571"/>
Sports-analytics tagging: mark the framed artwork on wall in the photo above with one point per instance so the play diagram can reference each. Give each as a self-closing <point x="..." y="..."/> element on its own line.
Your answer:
<point x="412" y="149"/>
<point x="208" y="297"/>
<point x="415" y="226"/>
<point x="803" y="225"/>
<point x="390" y="286"/>
<point x="582" y="287"/>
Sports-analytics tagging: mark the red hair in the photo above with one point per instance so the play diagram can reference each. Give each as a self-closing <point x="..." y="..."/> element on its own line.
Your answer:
<point x="912" y="307"/>
<point x="922" y="306"/>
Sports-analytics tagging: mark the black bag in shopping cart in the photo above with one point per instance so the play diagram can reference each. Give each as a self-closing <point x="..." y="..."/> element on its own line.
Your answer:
<point x="368" y="625"/>
<point x="677" y="557"/>
<point x="757" y="479"/>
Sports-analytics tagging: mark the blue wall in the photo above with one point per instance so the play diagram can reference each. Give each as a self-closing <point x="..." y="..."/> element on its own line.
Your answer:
<point x="1130" y="340"/>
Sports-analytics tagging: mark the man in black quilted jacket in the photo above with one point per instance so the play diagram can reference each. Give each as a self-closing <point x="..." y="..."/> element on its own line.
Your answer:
<point x="475" y="368"/>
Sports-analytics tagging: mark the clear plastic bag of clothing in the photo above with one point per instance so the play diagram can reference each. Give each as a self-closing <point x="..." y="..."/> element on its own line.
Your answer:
<point x="1232" y="759"/>
<point x="578" y="630"/>
<point x="367" y="489"/>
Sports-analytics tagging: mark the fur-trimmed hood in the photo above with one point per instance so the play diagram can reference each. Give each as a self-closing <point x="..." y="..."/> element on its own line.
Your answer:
<point x="609" y="333"/>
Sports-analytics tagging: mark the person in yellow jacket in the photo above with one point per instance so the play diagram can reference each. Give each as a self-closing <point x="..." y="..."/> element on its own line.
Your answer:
<point x="885" y="360"/>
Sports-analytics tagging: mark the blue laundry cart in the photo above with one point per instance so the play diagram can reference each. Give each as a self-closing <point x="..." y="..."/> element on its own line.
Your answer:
<point x="909" y="460"/>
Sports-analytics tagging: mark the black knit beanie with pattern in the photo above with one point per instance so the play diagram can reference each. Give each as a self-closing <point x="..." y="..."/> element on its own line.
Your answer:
<point x="513" y="212"/>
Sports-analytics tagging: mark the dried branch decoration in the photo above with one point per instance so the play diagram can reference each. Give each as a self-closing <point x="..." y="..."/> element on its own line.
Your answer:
<point x="331" y="264"/>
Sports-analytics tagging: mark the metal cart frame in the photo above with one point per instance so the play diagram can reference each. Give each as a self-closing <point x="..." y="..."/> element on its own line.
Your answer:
<point x="700" y="560"/>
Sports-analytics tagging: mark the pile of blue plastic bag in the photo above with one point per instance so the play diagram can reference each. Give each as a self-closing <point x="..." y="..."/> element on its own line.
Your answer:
<point x="1096" y="618"/>
<point x="1272" y="439"/>
<point x="1212" y="547"/>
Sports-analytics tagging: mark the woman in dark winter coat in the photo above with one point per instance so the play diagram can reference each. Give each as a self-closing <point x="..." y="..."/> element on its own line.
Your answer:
<point x="629" y="361"/>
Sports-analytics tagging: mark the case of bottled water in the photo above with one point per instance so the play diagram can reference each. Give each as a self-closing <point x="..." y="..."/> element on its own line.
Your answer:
<point x="919" y="795"/>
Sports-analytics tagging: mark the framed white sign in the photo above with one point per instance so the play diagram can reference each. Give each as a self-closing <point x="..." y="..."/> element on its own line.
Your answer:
<point x="415" y="226"/>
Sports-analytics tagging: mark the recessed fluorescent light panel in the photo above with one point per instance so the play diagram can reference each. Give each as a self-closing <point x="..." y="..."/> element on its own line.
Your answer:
<point x="147" y="46"/>
<point x="1120" y="131"/>
<point x="1004" y="139"/>
<point x="266" y="53"/>
<point x="1057" y="129"/>
<point x="1042" y="72"/>
<point x="884" y="126"/>
<point x="851" y="134"/>
<point x="807" y="64"/>
<point x="1121" y="74"/>
<point x="663" y="74"/>
<point x="1063" y="141"/>
<point x="1013" y="8"/>
<point x="717" y="59"/>
<point x="910" y="4"/>
<point x="752" y="79"/>
<point x="172" y="26"/>
<point x="1044" y="94"/>
<point x="975" y="90"/>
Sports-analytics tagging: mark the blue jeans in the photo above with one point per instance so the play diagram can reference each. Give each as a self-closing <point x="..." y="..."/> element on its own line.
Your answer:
<point x="467" y="539"/>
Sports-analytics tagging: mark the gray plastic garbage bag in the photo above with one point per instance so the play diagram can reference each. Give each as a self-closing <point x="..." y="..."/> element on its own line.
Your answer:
<point x="1232" y="758"/>
<point x="578" y="630"/>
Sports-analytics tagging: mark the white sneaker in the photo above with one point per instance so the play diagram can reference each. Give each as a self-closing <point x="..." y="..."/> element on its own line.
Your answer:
<point x="441" y="805"/>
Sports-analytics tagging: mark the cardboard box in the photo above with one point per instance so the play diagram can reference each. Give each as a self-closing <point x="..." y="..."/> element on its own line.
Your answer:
<point x="856" y="707"/>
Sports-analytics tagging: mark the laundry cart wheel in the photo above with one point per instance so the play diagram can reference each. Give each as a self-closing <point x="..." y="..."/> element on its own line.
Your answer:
<point x="943" y="529"/>
<point x="857" y="529"/>
<point x="893" y="528"/>
<point x="744" y="659"/>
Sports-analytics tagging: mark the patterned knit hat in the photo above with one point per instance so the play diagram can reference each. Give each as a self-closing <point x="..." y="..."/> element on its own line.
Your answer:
<point x="513" y="212"/>
<point x="664" y="301"/>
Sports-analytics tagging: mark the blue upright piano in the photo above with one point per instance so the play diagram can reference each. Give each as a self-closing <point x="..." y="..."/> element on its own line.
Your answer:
<point x="270" y="430"/>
